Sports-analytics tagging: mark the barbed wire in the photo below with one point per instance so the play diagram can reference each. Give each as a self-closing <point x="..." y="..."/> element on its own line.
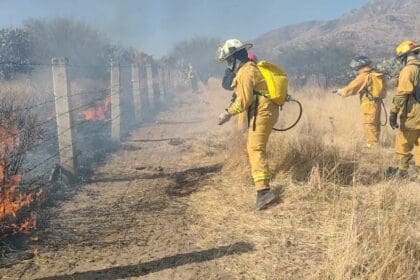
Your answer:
<point x="31" y="107"/>
<point x="86" y="92"/>
<point x="68" y="65"/>
<point x="24" y="63"/>
<point x="66" y="147"/>
<point x="49" y="101"/>
<point x="98" y="66"/>
<point x="84" y="106"/>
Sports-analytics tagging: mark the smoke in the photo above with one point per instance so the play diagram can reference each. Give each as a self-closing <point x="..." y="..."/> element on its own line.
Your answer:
<point x="155" y="26"/>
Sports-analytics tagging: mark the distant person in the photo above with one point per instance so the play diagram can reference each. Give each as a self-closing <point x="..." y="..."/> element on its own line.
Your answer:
<point x="191" y="76"/>
<point x="248" y="84"/>
<point x="406" y="104"/>
<point x="369" y="85"/>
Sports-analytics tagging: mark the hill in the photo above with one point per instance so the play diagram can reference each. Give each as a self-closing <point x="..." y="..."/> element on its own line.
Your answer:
<point x="373" y="29"/>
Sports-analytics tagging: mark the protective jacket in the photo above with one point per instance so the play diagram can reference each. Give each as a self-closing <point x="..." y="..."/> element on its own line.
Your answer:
<point x="406" y="104"/>
<point x="371" y="107"/>
<point x="404" y="101"/>
<point x="250" y="86"/>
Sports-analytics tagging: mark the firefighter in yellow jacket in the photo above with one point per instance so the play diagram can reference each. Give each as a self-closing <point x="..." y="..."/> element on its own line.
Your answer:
<point x="371" y="107"/>
<point x="406" y="103"/>
<point x="248" y="83"/>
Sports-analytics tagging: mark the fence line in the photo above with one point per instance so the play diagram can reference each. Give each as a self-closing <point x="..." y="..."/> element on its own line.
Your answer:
<point x="141" y="97"/>
<point x="67" y="145"/>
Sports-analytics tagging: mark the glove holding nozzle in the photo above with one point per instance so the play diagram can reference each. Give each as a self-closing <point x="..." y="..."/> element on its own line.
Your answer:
<point x="228" y="79"/>
<point x="337" y="92"/>
<point x="393" y="120"/>
<point x="224" y="117"/>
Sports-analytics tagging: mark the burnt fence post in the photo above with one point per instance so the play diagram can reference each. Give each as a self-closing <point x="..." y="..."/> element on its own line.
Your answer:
<point x="115" y="102"/>
<point x="137" y="100"/>
<point x="150" y="89"/>
<point x="64" y="118"/>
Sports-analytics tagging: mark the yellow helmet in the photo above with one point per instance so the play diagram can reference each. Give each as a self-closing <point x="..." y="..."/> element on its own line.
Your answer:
<point x="406" y="47"/>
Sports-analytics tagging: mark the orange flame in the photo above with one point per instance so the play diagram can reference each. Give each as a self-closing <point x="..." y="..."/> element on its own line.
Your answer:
<point x="98" y="113"/>
<point x="11" y="202"/>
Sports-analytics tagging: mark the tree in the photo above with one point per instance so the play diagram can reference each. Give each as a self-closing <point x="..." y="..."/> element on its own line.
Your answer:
<point x="15" y="53"/>
<point x="330" y="62"/>
<point x="77" y="41"/>
<point x="200" y="52"/>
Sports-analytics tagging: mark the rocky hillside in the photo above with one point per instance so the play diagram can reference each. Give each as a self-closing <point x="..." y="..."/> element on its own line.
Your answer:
<point x="374" y="30"/>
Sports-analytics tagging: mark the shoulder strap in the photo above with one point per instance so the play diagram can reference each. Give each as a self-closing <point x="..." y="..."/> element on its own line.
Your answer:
<point x="416" y="93"/>
<point x="368" y="77"/>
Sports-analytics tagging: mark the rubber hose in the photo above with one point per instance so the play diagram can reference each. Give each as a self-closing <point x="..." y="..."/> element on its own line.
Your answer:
<point x="297" y="120"/>
<point x="386" y="113"/>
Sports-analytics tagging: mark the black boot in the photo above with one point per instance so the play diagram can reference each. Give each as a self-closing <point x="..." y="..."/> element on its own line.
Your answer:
<point x="265" y="199"/>
<point x="401" y="174"/>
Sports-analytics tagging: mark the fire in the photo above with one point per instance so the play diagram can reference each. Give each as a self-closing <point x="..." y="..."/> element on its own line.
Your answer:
<point x="35" y="252"/>
<point x="11" y="202"/>
<point x="98" y="113"/>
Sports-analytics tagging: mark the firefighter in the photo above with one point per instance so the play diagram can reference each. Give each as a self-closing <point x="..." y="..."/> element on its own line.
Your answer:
<point x="192" y="79"/>
<point x="370" y="103"/>
<point x="406" y="104"/>
<point x="248" y="82"/>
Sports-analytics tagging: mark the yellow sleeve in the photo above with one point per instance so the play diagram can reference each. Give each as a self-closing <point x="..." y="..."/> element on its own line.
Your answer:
<point x="354" y="87"/>
<point x="244" y="88"/>
<point x="406" y="81"/>
<point x="405" y="87"/>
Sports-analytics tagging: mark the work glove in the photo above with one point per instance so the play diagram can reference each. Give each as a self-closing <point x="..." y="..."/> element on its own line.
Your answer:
<point x="224" y="117"/>
<point x="337" y="92"/>
<point x="393" y="120"/>
<point x="228" y="79"/>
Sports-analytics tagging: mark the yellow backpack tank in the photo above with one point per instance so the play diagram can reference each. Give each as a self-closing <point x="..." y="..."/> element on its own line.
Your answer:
<point x="276" y="80"/>
<point x="377" y="85"/>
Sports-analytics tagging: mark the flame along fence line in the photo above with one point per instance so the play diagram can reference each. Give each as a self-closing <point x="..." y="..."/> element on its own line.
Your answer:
<point x="145" y="99"/>
<point x="50" y="101"/>
<point x="75" y="125"/>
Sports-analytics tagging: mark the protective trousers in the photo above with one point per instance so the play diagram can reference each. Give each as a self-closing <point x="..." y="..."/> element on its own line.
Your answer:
<point x="371" y="115"/>
<point x="265" y="118"/>
<point x="405" y="141"/>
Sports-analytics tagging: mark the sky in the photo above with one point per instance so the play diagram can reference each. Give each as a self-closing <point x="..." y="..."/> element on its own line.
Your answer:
<point x="154" y="26"/>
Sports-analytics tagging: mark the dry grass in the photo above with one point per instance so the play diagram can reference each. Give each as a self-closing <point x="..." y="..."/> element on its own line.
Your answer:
<point x="338" y="218"/>
<point x="375" y="238"/>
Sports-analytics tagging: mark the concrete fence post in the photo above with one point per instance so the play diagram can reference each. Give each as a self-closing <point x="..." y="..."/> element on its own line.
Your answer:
<point x="166" y="80"/>
<point x="64" y="117"/>
<point x="137" y="100"/>
<point x="150" y="90"/>
<point x="115" y="102"/>
<point x="162" y="89"/>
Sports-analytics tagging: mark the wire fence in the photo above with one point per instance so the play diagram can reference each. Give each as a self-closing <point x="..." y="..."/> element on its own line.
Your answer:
<point x="87" y="120"/>
<point x="114" y="109"/>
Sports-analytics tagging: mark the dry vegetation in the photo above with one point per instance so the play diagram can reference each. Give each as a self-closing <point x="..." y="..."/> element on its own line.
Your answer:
<point x="338" y="217"/>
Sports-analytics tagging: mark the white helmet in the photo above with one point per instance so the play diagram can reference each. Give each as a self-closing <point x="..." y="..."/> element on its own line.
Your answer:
<point x="230" y="47"/>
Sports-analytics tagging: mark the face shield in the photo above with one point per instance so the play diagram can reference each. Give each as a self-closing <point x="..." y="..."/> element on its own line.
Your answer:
<point x="354" y="64"/>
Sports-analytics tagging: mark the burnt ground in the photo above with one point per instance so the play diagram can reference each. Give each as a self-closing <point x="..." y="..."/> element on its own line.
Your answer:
<point x="130" y="220"/>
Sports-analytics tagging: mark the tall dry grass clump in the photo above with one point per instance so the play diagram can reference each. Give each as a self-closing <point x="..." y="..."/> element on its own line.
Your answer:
<point x="330" y="139"/>
<point x="299" y="156"/>
<point x="376" y="238"/>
